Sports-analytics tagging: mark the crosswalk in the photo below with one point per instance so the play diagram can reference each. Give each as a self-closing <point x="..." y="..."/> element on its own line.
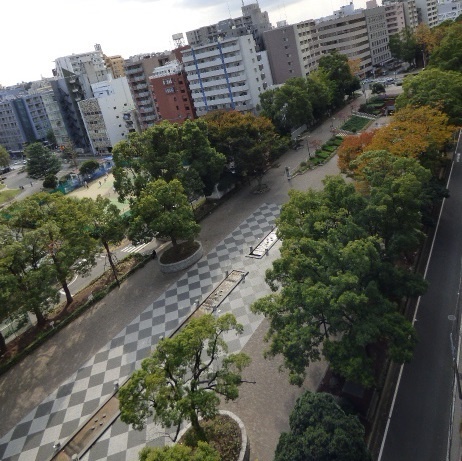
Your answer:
<point x="133" y="248"/>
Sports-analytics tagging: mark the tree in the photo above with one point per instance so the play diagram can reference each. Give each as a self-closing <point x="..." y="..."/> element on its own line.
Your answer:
<point x="51" y="138"/>
<point x="41" y="161"/>
<point x="448" y="54"/>
<point x="69" y="153"/>
<point x="50" y="181"/>
<point x="245" y="139"/>
<point x="321" y="431"/>
<point x="28" y="282"/>
<point x="288" y="106"/>
<point x="435" y="88"/>
<point x="416" y="132"/>
<point x="378" y="88"/>
<point x="63" y="226"/>
<point x="88" y="167"/>
<point x="327" y="294"/>
<point x="200" y="157"/>
<point x="403" y="45"/>
<point x="182" y="378"/>
<point x="203" y="452"/>
<point x="342" y="81"/>
<point x="166" y="151"/>
<point x="4" y="157"/>
<point x="351" y="147"/>
<point x="107" y="226"/>
<point x="162" y="209"/>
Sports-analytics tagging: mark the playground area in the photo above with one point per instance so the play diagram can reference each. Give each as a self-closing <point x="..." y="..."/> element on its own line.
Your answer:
<point x="103" y="186"/>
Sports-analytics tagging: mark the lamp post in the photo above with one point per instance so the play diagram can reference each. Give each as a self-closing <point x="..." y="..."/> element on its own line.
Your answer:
<point x="308" y="146"/>
<point x="332" y="124"/>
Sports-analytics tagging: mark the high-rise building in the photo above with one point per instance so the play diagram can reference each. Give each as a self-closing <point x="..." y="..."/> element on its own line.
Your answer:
<point x="105" y="116"/>
<point x="449" y="10"/>
<point x="12" y="135"/>
<point x="115" y="64"/>
<point x="427" y="11"/>
<point x="253" y="21"/>
<point x="393" y="8"/>
<point x="227" y="74"/>
<point x="360" y="34"/>
<point x="138" y="69"/>
<point x="172" y="97"/>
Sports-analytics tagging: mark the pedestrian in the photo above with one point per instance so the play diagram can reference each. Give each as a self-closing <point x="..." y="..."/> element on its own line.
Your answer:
<point x="31" y="185"/>
<point x="153" y="254"/>
<point x="99" y="183"/>
<point x="105" y="179"/>
<point x="85" y="184"/>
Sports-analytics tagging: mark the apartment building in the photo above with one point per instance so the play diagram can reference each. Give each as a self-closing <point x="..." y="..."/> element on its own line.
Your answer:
<point x="427" y="11"/>
<point x="115" y="64"/>
<point x="393" y="9"/>
<point x="396" y="19"/>
<point x="138" y="69"/>
<point x="227" y="74"/>
<point x="171" y="93"/>
<point x="12" y="136"/>
<point x="253" y="21"/>
<point x="106" y="115"/>
<point x="377" y="27"/>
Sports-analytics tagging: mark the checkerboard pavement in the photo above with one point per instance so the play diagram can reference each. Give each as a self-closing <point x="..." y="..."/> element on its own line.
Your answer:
<point x="66" y="409"/>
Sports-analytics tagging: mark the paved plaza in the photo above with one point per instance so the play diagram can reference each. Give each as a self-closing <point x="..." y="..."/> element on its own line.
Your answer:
<point x="60" y="414"/>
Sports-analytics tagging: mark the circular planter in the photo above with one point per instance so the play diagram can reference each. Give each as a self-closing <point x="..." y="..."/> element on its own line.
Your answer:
<point x="244" y="454"/>
<point x="184" y="263"/>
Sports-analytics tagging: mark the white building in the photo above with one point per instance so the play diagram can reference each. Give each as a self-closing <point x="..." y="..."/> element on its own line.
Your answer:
<point x="427" y="11"/>
<point x="448" y="9"/>
<point x="107" y="116"/>
<point x="227" y="74"/>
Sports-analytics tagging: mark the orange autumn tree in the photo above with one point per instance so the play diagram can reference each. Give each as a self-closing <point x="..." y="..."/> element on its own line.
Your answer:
<point x="421" y="133"/>
<point x="351" y="147"/>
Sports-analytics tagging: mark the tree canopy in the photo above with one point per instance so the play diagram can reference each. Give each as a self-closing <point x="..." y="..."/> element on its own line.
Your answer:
<point x="330" y="295"/>
<point x="403" y="45"/>
<point x="41" y="161"/>
<point x="447" y="55"/>
<point x="435" y="88"/>
<point x="163" y="210"/>
<point x="321" y="431"/>
<point x="182" y="378"/>
<point x="203" y="452"/>
<point x="4" y="157"/>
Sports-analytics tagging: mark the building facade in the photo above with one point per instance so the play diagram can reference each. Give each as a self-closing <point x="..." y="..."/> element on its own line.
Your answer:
<point x="448" y="10"/>
<point x="115" y="64"/>
<point x="105" y="115"/>
<point x="171" y="93"/>
<point x="138" y="69"/>
<point x="427" y="11"/>
<point x="253" y="21"/>
<point x="227" y="74"/>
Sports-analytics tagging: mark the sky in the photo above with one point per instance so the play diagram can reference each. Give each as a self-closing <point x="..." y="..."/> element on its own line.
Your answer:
<point x="34" y="33"/>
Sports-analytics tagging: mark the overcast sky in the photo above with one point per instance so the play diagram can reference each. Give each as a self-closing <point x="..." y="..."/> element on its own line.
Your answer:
<point x="34" y="33"/>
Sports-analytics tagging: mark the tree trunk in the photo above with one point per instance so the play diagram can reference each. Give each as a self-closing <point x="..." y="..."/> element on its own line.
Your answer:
<point x="111" y="262"/>
<point x="40" y="318"/>
<point x="67" y="292"/>
<point x="2" y="344"/>
<point x="198" y="430"/>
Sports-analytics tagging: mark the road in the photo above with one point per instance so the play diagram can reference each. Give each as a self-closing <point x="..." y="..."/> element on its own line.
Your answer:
<point x="421" y="418"/>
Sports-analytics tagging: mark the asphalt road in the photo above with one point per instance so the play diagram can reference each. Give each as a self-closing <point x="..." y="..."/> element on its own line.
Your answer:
<point x="420" y="422"/>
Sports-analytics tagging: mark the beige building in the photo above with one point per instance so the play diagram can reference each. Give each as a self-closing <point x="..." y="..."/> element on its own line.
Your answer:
<point x="116" y="65"/>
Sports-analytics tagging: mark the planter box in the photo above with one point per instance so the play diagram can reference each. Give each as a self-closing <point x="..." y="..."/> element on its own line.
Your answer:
<point x="183" y="264"/>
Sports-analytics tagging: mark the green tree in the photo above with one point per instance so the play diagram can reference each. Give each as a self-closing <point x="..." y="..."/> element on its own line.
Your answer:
<point x="203" y="452"/>
<point x="162" y="209"/>
<point x="64" y="227"/>
<point x="41" y="161"/>
<point x="29" y="282"/>
<point x="378" y="88"/>
<point x="342" y="81"/>
<point x="107" y="226"/>
<point x="434" y="88"/>
<point x="69" y="153"/>
<point x="327" y="295"/>
<point x="50" y="181"/>
<point x="321" y="431"/>
<point x="448" y="54"/>
<point x="182" y="379"/>
<point x="88" y="167"/>
<point x="248" y="141"/>
<point x="4" y="157"/>
<point x="288" y="106"/>
<point x="199" y="156"/>
<point x="51" y="138"/>
<point x="403" y="45"/>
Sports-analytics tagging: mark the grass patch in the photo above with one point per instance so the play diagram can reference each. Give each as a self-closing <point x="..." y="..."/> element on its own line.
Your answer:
<point x="182" y="251"/>
<point x="8" y="194"/>
<point x="355" y="123"/>
<point x="222" y="433"/>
